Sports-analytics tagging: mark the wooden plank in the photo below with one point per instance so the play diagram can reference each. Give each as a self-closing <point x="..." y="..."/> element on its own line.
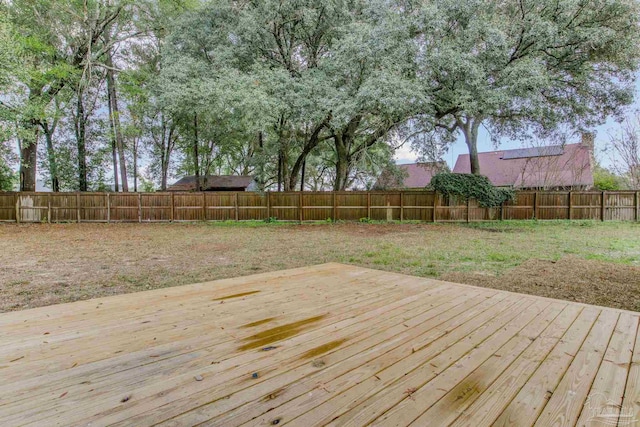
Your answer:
<point x="370" y="347"/>
<point x="537" y="338"/>
<point x="630" y="408"/>
<point x="18" y="210"/>
<point x="335" y="208"/>
<point x="435" y="207"/>
<point x="602" y="206"/>
<point x="204" y="206"/>
<point x="604" y="400"/>
<point x="235" y="202"/>
<point x="370" y="399"/>
<point x="568" y="399"/>
<point x="226" y="381"/>
<point x="533" y="396"/>
<point x="108" y="208"/>
<point x="230" y="363"/>
<point x="493" y="400"/>
<point x="300" y="210"/>
<point x="503" y="342"/>
<point x="78" y="206"/>
<point x="339" y="377"/>
<point x="268" y="382"/>
<point x="173" y="208"/>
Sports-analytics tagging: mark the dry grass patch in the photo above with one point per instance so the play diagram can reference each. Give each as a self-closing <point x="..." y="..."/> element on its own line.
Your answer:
<point x="43" y="264"/>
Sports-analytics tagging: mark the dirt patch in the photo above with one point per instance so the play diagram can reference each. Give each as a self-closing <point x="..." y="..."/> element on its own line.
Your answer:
<point x="44" y="264"/>
<point x="570" y="278"/>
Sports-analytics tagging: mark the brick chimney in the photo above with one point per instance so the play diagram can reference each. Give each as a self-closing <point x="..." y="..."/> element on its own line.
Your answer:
<point x="588" y="139"/>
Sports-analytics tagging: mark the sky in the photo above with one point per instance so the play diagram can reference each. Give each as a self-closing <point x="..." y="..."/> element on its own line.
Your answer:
<point x="405" y="155"/>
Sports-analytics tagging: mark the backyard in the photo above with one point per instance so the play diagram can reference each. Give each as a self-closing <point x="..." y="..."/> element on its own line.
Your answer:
<point x="589" y="262"/>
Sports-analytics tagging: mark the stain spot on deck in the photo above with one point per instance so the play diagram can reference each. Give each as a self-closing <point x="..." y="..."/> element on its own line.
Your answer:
<point x="273" y="395"/>
<point x="259" y="322"/>
<point x="321" y="349"/>
<point x="235" y="295"/>
<point x="278" y="333"/>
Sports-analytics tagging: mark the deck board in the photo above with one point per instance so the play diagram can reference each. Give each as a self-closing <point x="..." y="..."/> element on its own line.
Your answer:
<point x="324" y="345"/>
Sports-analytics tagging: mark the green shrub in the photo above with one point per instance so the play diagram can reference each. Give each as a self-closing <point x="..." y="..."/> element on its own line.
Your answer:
<point x="469" y="186"/>
<point x="605" y="180"/>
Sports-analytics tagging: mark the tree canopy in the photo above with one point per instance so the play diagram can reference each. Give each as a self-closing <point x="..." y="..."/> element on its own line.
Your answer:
<point x="310" y="94"/>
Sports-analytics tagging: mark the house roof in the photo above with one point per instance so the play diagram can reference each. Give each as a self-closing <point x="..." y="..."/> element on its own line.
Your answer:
<point x="417" y="175"/>
<point x="539" y="167"/>
<point x="212" y="182"/>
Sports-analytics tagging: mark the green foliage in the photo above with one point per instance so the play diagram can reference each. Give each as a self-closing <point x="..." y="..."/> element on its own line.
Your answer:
<point x="469" y="186"/>
<point x="533" y="67"/>
<point x="8" y="177"/>
<point x="271" y="219"/>
<point x="605" y="180"/>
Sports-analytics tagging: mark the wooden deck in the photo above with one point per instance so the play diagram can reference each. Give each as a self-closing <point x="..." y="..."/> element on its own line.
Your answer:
<point x="324" y="345"/>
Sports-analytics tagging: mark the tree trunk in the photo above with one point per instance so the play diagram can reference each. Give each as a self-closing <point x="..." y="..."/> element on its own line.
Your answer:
<point x="53" y="165"/>
<point x="115" y="122"/>
<point x="304" y="166"/>
<point x="135" y="165"/>
<point x="470" y="131"/>
<point x="28" y="158"/>
<point x="196" y="142"/>
<point x="81" y="134"/>
<point x="342" y="162"/>
<point x="114" y="153"/>
<point x="310" y="144"/>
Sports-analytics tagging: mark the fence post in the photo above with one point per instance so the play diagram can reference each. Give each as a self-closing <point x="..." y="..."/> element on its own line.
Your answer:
<point x="535" y="205"/>
<point x="300" y="210"/>
<point x="108" y="208"/>
<point x="435" y="205"/>
<point x="49" y="208"/>
<point x="468" y="208"/>
<point x="268" y="204"/>
<point x="18" y="208"/>
<point x="236" y="206"/>
<point x="570" y="205"/>
<point x="602" y="210"/>
<point x="204" y="206"/>
<point x="637" y="206"/>
<point x="173" y="208"/>
<point x="139" y="207"/>
<point x="502" y="211"/>
<point x="401" y="206"/>
<point x="335" y="208"/>
<point x="78" y="206"/>
<point x="368" y="204"/>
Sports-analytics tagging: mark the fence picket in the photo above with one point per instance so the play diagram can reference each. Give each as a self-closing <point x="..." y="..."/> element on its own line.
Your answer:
<point x="291" y="206"/>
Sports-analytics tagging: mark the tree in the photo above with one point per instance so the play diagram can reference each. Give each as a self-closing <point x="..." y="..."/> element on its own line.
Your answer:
<point x="526" y="66"/>
<point x="605" y="180"/>
<point x="624" y="147"/>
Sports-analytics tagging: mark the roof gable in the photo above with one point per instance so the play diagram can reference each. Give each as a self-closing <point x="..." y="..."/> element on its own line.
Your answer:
<point x="417" y="175"/>
<point x="212" y="182"/>
<point x="540" y="167"/>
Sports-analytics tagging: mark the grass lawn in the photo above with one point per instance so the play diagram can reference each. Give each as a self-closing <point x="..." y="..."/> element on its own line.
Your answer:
<point x="592" y="262"/>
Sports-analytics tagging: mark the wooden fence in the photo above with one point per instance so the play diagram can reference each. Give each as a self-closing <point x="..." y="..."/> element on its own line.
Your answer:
<point x="311" y="206"/>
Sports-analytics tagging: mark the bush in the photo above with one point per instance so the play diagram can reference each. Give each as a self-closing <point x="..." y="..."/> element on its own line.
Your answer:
<point x="8" y="178"/>
<point x="604" y="180"/>
<point x="469" y="186"/>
